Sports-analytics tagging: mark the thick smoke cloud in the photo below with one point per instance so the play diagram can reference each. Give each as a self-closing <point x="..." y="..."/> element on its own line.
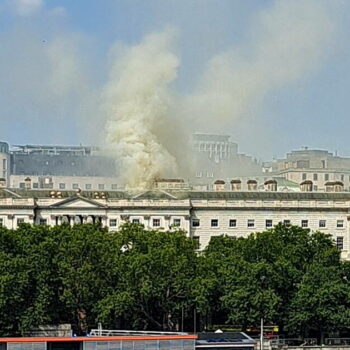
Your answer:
<point x="137" y="102"/>
<point x="287" y="41"/>
<point x="51" y="80"/>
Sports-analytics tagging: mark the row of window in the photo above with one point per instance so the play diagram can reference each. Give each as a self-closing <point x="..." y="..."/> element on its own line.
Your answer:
<point x="155" y="222"/>
<point x="315" y="177"/>
<point x="112" y="222"/>
<point x="196" y="222"/>
<point x="214" y="222"/>
<point x="268" y="223"/>
<point x="63" y="186"/>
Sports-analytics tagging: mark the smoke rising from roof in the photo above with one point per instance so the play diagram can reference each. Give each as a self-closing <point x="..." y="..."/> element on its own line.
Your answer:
<point x="286" y="42"/>
<point x="52" y="80"/>
<point x="137" y="102"/>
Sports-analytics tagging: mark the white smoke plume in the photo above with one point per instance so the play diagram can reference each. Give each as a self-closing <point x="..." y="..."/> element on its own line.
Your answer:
<point x="136" y="104"/>
<point x="286" y="42"/>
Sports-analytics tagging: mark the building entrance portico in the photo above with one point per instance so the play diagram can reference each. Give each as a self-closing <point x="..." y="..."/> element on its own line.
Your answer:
<point x="76" y="219"/>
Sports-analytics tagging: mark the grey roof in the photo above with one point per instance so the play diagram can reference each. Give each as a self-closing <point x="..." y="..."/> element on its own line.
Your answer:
<point x="180" y="195"/>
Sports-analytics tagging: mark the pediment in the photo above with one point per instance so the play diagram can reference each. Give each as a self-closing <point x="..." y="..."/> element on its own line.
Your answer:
<point x="155" y="194"/>
<point x="78" y="202"/>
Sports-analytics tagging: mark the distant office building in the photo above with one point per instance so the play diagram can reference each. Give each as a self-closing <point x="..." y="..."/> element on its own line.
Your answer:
<point x="56" y="167"/>
<point x="4" y="161"/>
<point x="215" y="156"/>
<point x="59" y="161"/>
<point x="321" y="168"/>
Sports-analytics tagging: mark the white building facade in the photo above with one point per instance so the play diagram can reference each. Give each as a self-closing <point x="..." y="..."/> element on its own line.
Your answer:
<point x="201" y="215"/>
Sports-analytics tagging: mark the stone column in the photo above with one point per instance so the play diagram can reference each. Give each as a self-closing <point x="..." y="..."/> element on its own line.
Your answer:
<point x="31" y="219"/>
<point x="53" y="220"/>
<point x="11" y="218"/>
<point x="187" y="225"/>
<point x="347" y="247"/>
<point x="167" y="222"/>
<point x="146" y="219"/>
<point x="104" y="220"/>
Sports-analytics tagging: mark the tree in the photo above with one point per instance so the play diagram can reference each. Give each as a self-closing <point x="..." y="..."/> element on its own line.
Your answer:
<point x="153" y="278"/>
<point x="82" y="261"/>
<point x="322" y="302"/>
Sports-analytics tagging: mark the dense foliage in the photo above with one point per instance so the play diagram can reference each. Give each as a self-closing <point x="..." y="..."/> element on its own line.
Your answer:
<point x="147" y="279"/>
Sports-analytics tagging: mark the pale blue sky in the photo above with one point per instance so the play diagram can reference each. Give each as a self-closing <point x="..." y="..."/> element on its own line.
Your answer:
<point x="42" y="42"/>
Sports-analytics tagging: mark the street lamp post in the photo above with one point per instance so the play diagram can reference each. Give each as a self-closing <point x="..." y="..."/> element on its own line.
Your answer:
<point x="262" y="334"/>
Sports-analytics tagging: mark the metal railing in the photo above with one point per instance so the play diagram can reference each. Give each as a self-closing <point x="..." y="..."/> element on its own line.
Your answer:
<point x="337" y="341"/>
<point x="111" y="333"/>
<point x="279" y="342"/>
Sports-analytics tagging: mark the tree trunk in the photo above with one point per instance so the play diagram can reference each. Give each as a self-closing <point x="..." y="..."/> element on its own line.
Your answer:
<point x="82" y="325"/>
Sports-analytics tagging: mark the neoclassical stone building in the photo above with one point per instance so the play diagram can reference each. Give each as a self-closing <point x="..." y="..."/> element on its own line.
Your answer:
<point x="201" y="214"/>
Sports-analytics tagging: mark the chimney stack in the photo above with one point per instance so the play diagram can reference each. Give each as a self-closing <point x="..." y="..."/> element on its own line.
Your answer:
<point x="336" y="186"/>
<point x="252" y="185"/>
<point x="270" y="185"/>
<point x="236" y="185"/>
<point x="2" y="182"/>
<point x="219" y="185"/>
<point x="306" y="186"/>
<point x="28" y="183"/>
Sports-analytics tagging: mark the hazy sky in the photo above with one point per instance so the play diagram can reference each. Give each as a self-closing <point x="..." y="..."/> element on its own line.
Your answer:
<point x="275" y="75"/>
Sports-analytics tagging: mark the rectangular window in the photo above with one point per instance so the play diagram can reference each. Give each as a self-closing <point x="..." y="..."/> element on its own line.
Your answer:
<point x="43" y="222"/>
<point x="75" y="186"/>
<point x="326" y="177"/>
<point x="304" y="223"/>
<point x="101" y="186"/>
<point x="1" y="222"/>
<point x="286" y="222"/>
<point x="177" y="222"/>
<point x="112" y="222"/>
<point x="340" y="242"/>
<point x="340" y="223"/>
<point x="135" y="221"/>
<point x="22" y="185"/>
<point x="315" y="177"/>
<point x="315" y="187"/>
<point x="268" y="223"/>
<point x="114" y="186"/>
<point x="342" y="177"/>
<point x="233" y="223"/>
<point x="62" y="186"/>
<point x="304" y="176"/>
<point x="250" y="223"/>
<point x="195" y="223"/>
<point x="156" y="222"/>
<point x="88" y="186"/>
<point x="322" y="223"/>
<point x="214" y="222"/>
<point x="20" y="221"/>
